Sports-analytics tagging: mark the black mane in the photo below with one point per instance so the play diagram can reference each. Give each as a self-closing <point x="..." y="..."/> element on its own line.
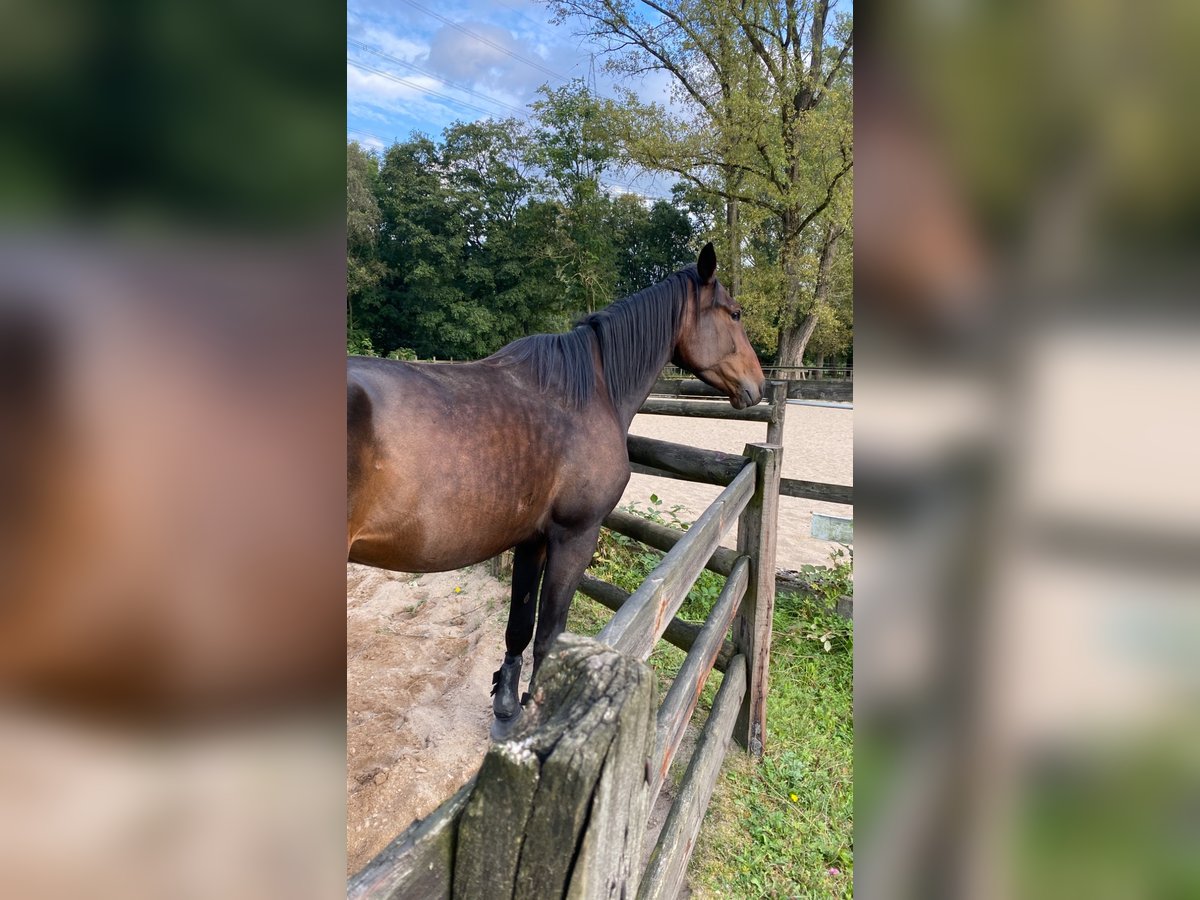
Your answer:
<point x="631" y="333"/>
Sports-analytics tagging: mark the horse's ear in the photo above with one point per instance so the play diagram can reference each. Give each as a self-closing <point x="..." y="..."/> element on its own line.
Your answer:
<point x="707" y="264"/>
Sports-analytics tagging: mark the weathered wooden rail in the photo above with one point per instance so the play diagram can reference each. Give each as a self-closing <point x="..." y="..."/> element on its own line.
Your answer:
<point x="560" y="809"/>
<point x="689" y="464"/>
<point x="827" y="389"/>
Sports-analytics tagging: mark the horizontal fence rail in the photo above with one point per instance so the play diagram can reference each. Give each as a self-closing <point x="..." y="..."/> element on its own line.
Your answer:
<point x="678" y="632"/>
<point x="816" y="490"/>
<point x="650" y="456"/>
<point x="418" y="863"/>
<point x="680" y="461"/>
<point x="786" y="372"/>
<point x="705" y="409"/>
<point x="668" y="861"/>
<point x="636" y="627"/>
<point x="662" y="537"/>
<point x="833" y="390"/>
<point x="680" y="702"/>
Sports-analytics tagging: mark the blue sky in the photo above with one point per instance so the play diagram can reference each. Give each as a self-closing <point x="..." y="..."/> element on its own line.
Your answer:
<point x="410" y="69"/>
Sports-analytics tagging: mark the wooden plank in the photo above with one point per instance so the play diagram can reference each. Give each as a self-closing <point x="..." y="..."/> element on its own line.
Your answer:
<point x="704" y="409"/>
<point x="684" y="387"/>
<point x="689" y="463"/>
<point x="821" y="389"/>
<point x="486" y="867"/>
<point x="679" y="704"/>
<point x="657" y="473"/>
<point x="788" y="487"/>
<point x="663" y="537"/>
<point x="640" y="622"/>
<point x="777" y="402"/>
<point x="668" y="861"/>
<point x="419" y="863"/>
<point x="830" y="389"/>
<point x="678" y="632"/>
<point x="816" y="490"/>
<point x="560" y="807"/>
<point x="752" y="628"/>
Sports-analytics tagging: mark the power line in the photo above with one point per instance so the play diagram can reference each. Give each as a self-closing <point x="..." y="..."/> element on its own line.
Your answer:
<point x="440" y="79"/>
<point x="418" y="87"/>
<point x="532" y="22"/>
<point x="517" y="56"/>
<point x="364" y="133"/>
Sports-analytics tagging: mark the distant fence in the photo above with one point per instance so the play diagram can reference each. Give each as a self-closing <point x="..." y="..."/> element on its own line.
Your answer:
<point x="829" y="384"/>
<point x="560" y="809"/>
<point x="838" y="390"/>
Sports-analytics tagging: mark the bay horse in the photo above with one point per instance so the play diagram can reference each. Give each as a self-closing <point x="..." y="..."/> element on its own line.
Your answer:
<point x="451" y="464"/>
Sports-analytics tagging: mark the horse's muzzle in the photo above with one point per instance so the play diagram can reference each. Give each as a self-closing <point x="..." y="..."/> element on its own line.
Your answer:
<point x="747" y="395"/>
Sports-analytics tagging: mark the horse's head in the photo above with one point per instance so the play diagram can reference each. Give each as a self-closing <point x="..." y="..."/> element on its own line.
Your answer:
<point x="712" y="343"/>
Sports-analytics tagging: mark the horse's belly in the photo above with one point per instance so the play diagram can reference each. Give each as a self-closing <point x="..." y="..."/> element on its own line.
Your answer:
<point x="399" y="556"/>
<point x="440" y="530"/>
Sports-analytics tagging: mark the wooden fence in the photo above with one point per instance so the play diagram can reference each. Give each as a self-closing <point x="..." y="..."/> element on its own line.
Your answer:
<point x="560" y="809"/>
<point x="720" y="467"/>
<point x="812" y="386"/>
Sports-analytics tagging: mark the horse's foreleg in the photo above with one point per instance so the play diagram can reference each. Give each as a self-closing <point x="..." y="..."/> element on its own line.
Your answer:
<point x="569" y="554"/>
<point x="529" y="561"/>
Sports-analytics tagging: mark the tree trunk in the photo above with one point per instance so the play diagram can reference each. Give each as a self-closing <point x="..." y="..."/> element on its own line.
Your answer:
<point x="793" y="340"/>
<point x="733" y="225"/>
<point x="797" y="329"/>
<point x="792" y="326"/>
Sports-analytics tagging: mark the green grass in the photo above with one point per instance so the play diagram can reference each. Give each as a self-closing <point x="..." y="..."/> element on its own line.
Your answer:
<point x="782" y="827"/>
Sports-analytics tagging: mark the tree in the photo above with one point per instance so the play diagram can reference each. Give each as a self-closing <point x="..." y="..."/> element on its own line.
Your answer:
<point x="649" y="243"/>
<point x="364" y="270"/>
<point x="500" y="229"/>
<point x="768" y="127"/>
<point x="573" y="144"/>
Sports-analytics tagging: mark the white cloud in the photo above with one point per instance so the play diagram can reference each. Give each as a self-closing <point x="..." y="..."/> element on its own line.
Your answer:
<point x="462" y="57"/>
<point x="371" y="88"/>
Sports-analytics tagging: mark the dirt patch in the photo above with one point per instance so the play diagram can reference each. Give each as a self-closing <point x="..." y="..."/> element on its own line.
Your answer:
<point x="420" y="652"/>
<point x="818" y="445"/>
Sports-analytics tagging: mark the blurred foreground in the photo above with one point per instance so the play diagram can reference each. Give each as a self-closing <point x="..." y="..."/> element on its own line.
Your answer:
<point x="172" y="634"/>
<point x="1028" y="506"/>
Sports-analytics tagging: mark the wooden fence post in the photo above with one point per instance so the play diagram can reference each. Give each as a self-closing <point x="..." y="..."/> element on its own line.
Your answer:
<point x="752" y="627"/>
<point x="777" y="397"/>
<point x="559" y="809"/>
<point x="556" y="811"/>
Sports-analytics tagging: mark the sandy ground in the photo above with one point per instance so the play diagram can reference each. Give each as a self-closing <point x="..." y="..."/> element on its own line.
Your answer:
<point x="421" y="649"/>
<point x="817" y="446"/>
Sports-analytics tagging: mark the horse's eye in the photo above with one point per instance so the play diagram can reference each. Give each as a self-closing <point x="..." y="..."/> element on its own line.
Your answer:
<point x="737" y="314"/>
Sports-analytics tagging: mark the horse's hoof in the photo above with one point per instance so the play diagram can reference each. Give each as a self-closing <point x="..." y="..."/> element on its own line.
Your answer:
<point x="502" y="728"/>
<point x="504" y="689"/>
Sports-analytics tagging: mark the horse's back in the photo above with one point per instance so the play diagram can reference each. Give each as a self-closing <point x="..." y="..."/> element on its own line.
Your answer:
<point x="445" y="464"/>
<point x="451" y="464"/>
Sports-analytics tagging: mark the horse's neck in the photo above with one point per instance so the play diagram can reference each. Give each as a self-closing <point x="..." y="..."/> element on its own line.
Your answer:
<point x="635" y="396"/>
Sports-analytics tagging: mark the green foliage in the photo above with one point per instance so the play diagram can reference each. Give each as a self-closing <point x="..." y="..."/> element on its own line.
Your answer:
<point x="761" y="132"/>
<point x="828" y="584"/>
<point x="500" y="229"/>
<point x="784" y="827"/>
